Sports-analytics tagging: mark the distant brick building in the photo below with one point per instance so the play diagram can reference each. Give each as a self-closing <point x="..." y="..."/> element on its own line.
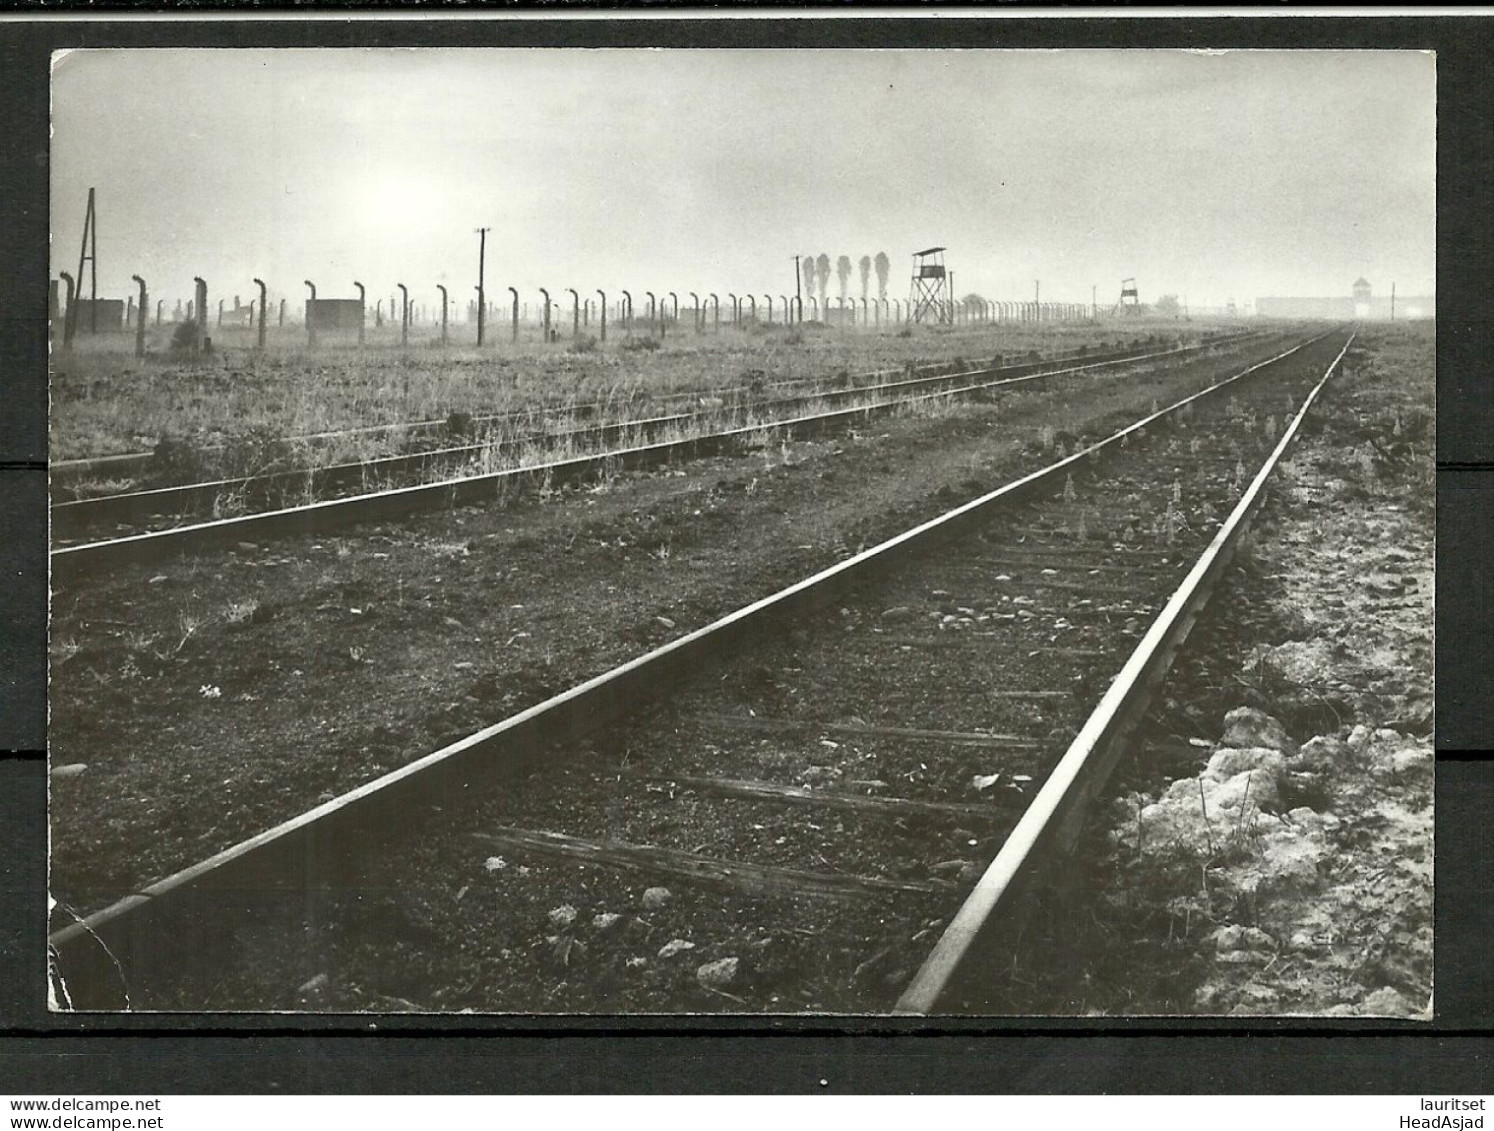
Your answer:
<point x="334" y="313"/>
<point x="1360" y="304"/>
<point x="107" y="314"/>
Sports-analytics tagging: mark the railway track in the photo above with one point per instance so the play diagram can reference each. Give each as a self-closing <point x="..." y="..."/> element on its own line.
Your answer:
<point x="548" y="416"/>
<point x="843" y="819"/>
<point x="71" y="558"/>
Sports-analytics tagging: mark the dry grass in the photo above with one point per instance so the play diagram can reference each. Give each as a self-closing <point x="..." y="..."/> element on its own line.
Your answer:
<point x="105" y="401"/>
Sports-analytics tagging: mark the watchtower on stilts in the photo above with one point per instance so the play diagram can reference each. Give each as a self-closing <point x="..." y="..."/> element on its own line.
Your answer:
<point x="930" y="299"/>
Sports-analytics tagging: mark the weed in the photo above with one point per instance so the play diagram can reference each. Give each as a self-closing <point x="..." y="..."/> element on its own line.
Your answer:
<point x="239" y="612"/>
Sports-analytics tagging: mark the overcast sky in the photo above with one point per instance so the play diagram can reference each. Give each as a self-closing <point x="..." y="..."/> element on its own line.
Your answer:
<point x="1213" y="176"/>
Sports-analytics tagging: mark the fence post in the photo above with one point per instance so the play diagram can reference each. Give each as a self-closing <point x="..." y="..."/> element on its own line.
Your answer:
<point x="717" y="303"/>
<point x="362" y="308"/>
<point x="68" y="312"/>
<point x="575" y="314"/>
<point x="310" y="316"/>
<point x="201" y="319"/>
<point x="547" y="314"/>
<point x="603" y="296"/>
<point x="140" y="319"/>
<point x="515" y="293"/>
<point x="626" y="312"/>
<point x="404" y="314"/>
<point x="442" y="289"/>
<point x="262" y="313"/>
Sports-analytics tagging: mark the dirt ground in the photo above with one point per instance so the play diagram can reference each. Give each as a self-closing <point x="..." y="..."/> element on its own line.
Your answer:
<point x="452" y="913"/>
<point x="201" y="702"/>
<point x="1270" y="849"/>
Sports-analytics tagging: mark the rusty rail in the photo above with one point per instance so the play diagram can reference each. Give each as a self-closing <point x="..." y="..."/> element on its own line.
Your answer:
<point x="1052" y="823"/>
<point x="72" y="561"/>
<point x="310" y="847"/>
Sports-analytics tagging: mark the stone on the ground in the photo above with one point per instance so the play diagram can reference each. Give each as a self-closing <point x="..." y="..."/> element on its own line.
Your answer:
<point x="655" y="898"/>
<point x="315" y="986"/>
<point x="1319" y="755"/>
<point x="675" y="946"/>
<point x="605" y="920"/>
<point x="717" y="975"/>
<point x="1245" y="727"/>
<point x="1237" y="937"/>
<point x="71" y="770"/>
<point x="1227" y="761"/>
<point x="897" y="612"/>
<point x="1303" y="662"/>
<point x="563" y="916"/>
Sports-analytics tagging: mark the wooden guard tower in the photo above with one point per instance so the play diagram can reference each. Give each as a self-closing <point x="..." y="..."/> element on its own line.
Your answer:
<point x="930" y="298"/>
<point x="1130" y="300"/>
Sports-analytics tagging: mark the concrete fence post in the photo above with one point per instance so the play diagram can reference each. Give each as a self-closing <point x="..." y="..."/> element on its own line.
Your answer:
<point x="310" y="315"/>
<point x="362" y="307"/>
<point x="603" y="311"/>
<point x="262" y="313"/>
<point x="201" y="301"/>
<point x="140" y="321"/>
<point x="69" y="313"/>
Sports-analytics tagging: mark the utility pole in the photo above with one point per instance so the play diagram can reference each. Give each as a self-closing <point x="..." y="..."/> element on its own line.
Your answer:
<point x="88" y="253"/>
<point x="482" y="301"/>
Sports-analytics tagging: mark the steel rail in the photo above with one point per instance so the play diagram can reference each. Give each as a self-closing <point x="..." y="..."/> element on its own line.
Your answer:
<point x="76" y="514"/>
<point x="309" y="847"/>
<point x="70" y="562"/>
<point x="1052" y="822"/>
<point x="125" y="463"/>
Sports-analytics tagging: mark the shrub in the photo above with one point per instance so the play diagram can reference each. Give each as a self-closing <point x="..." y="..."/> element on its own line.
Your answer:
<point x="184" y="338"/>
<point x="645" y="344"/>
<point x="585" y="344"/>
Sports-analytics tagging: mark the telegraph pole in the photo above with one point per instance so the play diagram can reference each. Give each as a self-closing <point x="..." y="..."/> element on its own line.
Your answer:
<point x="89" y="254"/>
<point x="482" y="295"/>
